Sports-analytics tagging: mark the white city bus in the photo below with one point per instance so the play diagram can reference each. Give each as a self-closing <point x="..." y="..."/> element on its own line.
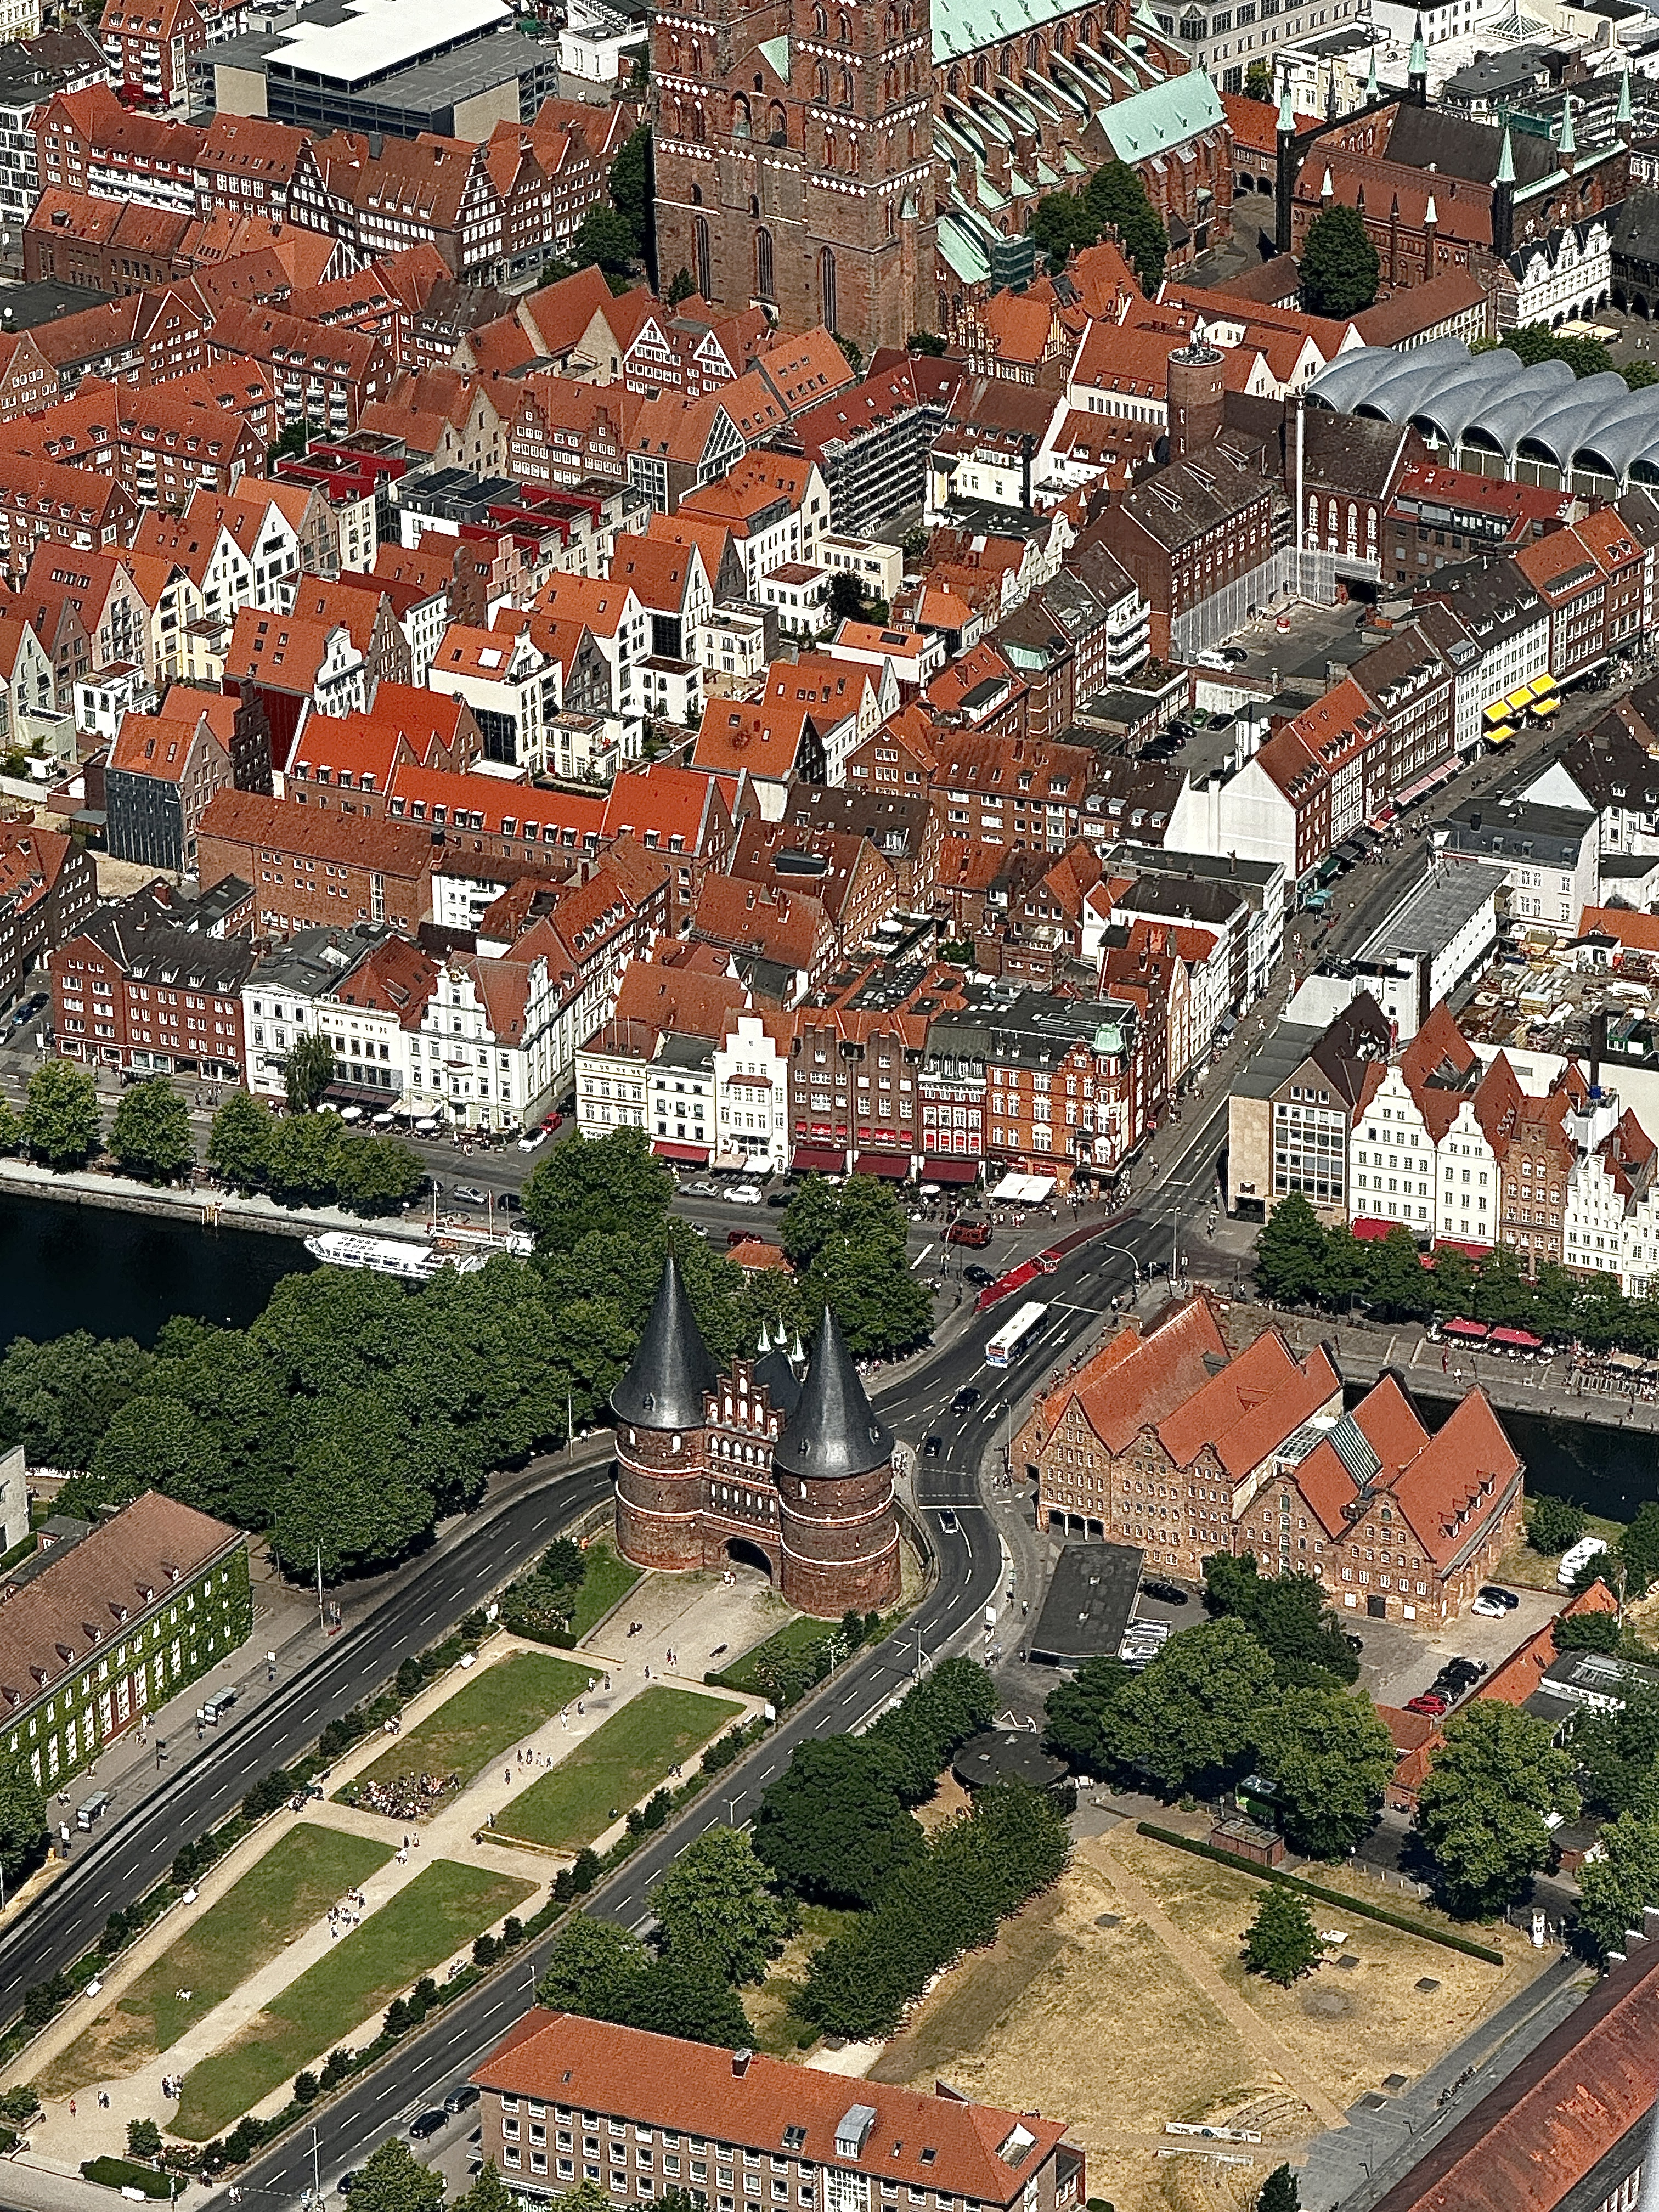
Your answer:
<point x="1013" y="1333"/>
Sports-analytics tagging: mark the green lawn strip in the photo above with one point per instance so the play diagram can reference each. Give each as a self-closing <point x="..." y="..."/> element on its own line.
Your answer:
<point x="127" y="2173"/>
<point x="1337" y="1897"/>
<point x="484" y="1718"/>
<point x="606" y="1578"/>
<point x="411" y="1935"/>
<point x="617" y="1766"/>
<point x="796" y="1636"/>
<point x="281" y="1894"/>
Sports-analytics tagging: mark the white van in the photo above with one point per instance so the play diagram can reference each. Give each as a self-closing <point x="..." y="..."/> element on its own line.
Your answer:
<point x="1587" y="1547"/>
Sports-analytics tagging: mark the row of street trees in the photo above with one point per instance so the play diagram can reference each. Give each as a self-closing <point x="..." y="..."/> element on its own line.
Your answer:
<point x="1300" y="1263"/>
<point x="354" y="1412"/>
<point x="1213" y="1705"/>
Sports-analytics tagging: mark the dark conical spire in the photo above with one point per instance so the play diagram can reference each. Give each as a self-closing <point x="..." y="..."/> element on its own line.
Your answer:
<point x="663" y="1388"/>
<point x="833" y="1430"/>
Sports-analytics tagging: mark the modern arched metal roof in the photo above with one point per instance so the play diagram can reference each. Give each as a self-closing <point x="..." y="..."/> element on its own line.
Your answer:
<point x="1500" y="401"/>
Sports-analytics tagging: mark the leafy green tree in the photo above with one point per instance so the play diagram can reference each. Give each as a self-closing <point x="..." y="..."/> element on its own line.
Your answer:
<point x="1345" y="1273"/>
<point x="352" y="1495"/>
<point x="1077" y="1712"/>
<point x="151" y="1137"/>
<point x="143" y="2139"/>
<point x="57" y="1398"/>
<point x="11" y="1128"/>
<point x="1400" y="1285"/>
<point x="1453" y="1280"/>
<point x="303" y="1164"/>
<point x="1615" y="1889"/>
<point x="1638" y="1547"/>
<point x="1329" y="1755"/>
<point x="1340" y="266"/>
<point x="61" y="1121"/>
<point x="683" y="1997"/>
<point x="615" y="1185"/>
<point x="394" y="2180"/>
<point x="1259" y="85"/>
<point x="1482" y="1811"/>
<point x="1282" y="1943"/>
<point x="1289" y="1253"/>
<point x="490" y="2193"/>
<point x="926" y="342"/>
<point x="23" y="1818"/>
<point x="238" y="1142"/>
<point x="1587" y="1631"/>
<point x="1502" y="1292"/>
<point x="1554" y="1525"/>
<point x="1287" y="1615"/>
<point x="377" y="1175"/>
<point x="849" y="1244"/>
<point x="307" y="1072"/>
<point x="588" y="1960"/>
<point x="715" y="1903"/>
<point x="1060" y="223"/>
<point x="681" y="287"/>
<point x="157" y="1444"/>
<point x="606" y="238"/>
<point x="1638" y="375"/>
<point x="834" y="1827"/>
<point x="1192" y="1714"/>
<point x="1279" y="2191"/>
<point x="847" y="596"/>
<point x="1536" y="342"/>
<point x="629" y="185"/>
<point x="1115" y="197"/>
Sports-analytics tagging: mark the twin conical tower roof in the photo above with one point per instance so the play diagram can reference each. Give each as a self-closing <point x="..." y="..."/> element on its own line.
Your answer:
<point x="833" y="1430"/>
<point x="664" y="1385"/>
<point x="829" y="1427"/>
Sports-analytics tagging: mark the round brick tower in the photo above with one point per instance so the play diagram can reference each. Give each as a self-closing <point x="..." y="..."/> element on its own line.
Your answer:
<point x="833" y="1465"/>
<point x="659" y="1407"/>
<point x="1197" y="397"/>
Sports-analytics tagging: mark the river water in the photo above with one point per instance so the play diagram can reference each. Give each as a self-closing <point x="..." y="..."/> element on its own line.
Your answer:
<point x="1606" y="1470"/>
<point x="122" y="1274"/>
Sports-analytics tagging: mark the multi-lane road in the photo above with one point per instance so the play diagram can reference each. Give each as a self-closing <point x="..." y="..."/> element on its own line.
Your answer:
<point x="970" y="1559"/>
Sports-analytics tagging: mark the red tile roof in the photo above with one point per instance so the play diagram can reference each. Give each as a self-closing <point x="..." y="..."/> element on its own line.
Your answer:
<point x="935" y="2143"/>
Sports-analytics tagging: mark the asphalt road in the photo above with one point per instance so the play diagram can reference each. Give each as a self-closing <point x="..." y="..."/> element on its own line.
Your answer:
<point x="118" y="1866"/>
<point x="914" y="1404"/>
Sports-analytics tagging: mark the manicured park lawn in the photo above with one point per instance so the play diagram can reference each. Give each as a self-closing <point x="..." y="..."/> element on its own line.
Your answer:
<point x="279" y="1896"/>
<point x="796" y="1636"/>
<point x="441" y="1909"/>
<point x="497" y="1706"/>
<point x="619" y="1764"/>
<point x="607" y="1577"/>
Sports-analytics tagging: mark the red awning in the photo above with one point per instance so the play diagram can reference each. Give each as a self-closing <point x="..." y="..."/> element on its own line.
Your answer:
<point x="696" y="1155"/>
<point x="1471" y="1251"/>
<point x="1469" y="1329"/>
<point x="818" y="1159"/>
<point x="896" y="1166"/>
<point x="950" y="1170"/>
<point x="1522" y="1339"/>
<point x="1373" y="1224"/>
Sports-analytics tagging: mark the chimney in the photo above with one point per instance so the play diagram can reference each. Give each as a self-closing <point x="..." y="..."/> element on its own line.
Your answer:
<point x="740" y="2062"/>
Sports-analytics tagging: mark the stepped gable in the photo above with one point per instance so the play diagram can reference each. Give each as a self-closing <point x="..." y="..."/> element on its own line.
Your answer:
<point x="833" y="1431"/>
<point x="664" y="1386"/>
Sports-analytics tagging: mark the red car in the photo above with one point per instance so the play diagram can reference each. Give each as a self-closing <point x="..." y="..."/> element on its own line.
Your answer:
<point x="551" y="1122"/>
<point x="1431" y="1703"/>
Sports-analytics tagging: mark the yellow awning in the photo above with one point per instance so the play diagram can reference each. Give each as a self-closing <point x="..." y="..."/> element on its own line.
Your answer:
<point x="1519" y="700"/>
<point x="1546" y="708"/>
<point x="1497" y="712"/>
<point x="1542" y="687"/>
<point x="1500" y="734"/>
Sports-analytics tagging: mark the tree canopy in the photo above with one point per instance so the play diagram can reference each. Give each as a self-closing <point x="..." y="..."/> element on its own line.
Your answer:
<point x="1615" y="1890"/>
<point x="614" y="1185"/>
<point x="393" y="2180"/>
<point x="61" y="1121"/>
<point x="1113" y="198"/>
<point x="1282" y="1943"/>
<point x="1286" y="1613"/>
<point x="1340" y="266"/>
<point x="23" y="1818"/>
<point x="1328" y="1756"/>
<point x="715" y="1904"/>
<point x="847" y="1245"/>
<point x="1191" y="1715"/>
<point x="1482" y="1810"/>
<point x="151" y="1136"/>
<point x="307" y="1071"/>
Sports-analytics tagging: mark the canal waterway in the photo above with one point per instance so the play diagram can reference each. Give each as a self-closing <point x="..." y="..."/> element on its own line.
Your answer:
<point x="1603" y="1467"/>
<point x="117" y="1273"/>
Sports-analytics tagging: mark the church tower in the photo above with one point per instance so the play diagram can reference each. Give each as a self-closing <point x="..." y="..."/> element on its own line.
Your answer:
<point x="833" y="1465"/>
<point x="794" y="147"/>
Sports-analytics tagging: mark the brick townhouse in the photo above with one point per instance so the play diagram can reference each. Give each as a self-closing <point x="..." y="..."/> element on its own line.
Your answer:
<point x="89" y="142"/>
<point x="43" y="501"/>
<point x="48" y="891"/>
<point x="567" y="2100"/>
<point x="141" y="988"/>
<point x="309" y="867"/>
<point x="158" y="781"/>
<point x="326" y="378"/>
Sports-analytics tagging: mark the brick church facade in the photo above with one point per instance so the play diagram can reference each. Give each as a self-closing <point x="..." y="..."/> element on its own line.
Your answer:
<point x="848" y="162"/>
<point x="764" y="1462"/>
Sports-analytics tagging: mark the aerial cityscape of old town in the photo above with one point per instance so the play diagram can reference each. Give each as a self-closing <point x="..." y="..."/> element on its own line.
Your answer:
<point x="830" y="1105"/>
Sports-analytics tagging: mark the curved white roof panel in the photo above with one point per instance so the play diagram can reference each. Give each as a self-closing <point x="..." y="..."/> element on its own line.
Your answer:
<point x="1496" y="400"/>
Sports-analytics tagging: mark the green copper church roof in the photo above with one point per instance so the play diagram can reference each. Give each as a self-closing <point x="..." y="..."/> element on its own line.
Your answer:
<point x="961" y="27"/>
<point x="776" y="54"/>
<point x="1163" y="116"/>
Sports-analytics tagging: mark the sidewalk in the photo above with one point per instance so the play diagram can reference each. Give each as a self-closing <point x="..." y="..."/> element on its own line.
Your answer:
<point x="456" y="1831"/>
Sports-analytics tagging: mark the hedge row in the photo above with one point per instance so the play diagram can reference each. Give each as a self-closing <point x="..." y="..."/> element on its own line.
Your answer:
<point x="1337" y="1897"/>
